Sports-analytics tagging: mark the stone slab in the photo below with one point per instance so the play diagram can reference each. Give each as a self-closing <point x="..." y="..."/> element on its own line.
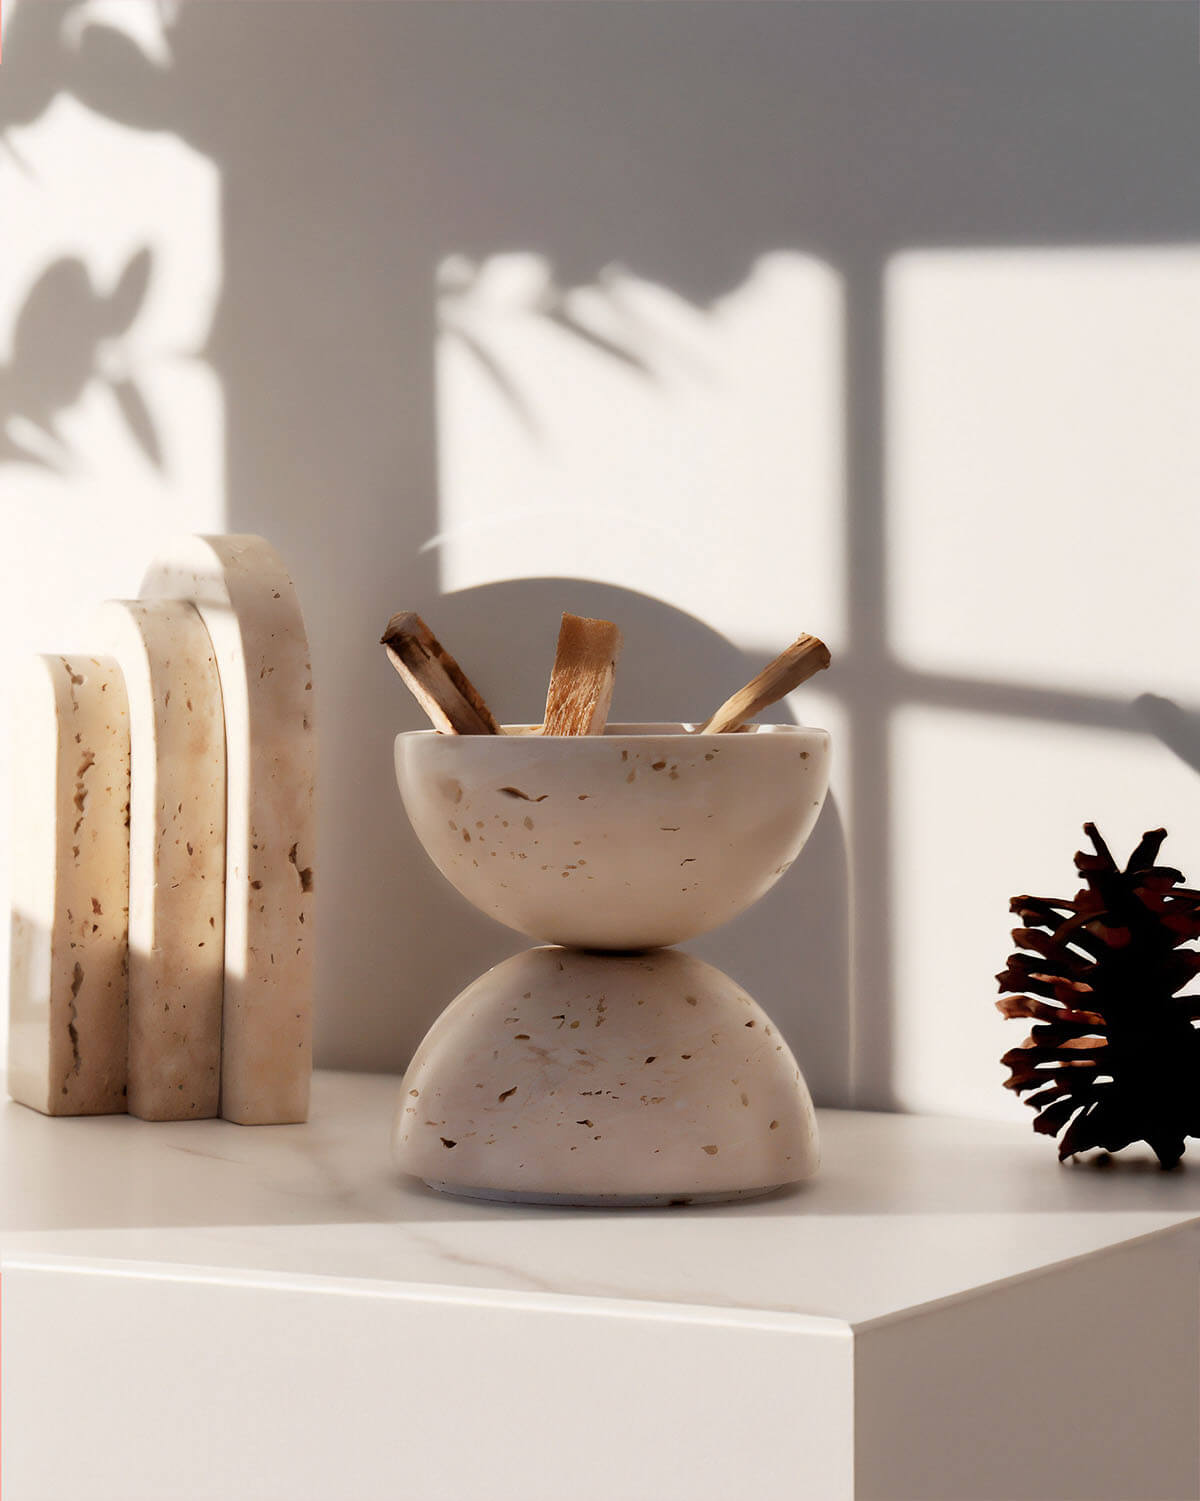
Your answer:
<point x="242" y="590"/>
<point x="68" y="1028"/>
<point x="176" y="855"/>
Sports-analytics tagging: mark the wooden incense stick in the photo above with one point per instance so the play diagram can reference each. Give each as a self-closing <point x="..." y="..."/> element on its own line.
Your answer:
<point x="789" y="669"/>
<point x="581" y="685"/>
<point x="435" y="679"/>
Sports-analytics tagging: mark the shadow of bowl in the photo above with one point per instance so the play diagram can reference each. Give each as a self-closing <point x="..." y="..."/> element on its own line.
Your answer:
<point x="790" y="950"/>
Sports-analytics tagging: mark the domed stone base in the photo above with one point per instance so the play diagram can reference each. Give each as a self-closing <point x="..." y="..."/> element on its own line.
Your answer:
<point x="569" y="1077"/>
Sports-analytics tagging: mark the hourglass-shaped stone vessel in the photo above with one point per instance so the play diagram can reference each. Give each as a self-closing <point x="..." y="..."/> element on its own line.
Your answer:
<point x="608" y="1068"/>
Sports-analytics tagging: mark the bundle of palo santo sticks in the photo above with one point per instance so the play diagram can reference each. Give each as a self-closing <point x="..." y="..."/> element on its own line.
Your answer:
<point x="581" y="683"/>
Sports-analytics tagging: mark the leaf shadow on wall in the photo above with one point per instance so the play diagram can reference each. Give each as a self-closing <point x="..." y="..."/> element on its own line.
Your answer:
<point x="66" y="334"/>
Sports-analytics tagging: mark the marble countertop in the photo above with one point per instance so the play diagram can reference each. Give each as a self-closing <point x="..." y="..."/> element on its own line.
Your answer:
<point x="907" y="1211"/>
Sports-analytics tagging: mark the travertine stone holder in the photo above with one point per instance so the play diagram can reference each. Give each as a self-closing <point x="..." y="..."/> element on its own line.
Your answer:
<point x="606" y="1068"/>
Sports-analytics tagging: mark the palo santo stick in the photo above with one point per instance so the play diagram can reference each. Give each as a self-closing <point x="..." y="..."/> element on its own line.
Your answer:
<point x="435" y="679"/>
<point x="581" y="685"/>
<point x="789" y="669"/>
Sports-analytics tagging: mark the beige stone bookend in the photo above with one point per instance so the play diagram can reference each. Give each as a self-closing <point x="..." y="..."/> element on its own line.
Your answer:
<point x="176" y="856"/>
<point x="163" y="851"/>
<point x="250" y="607"/>
<point x="70" y="886"/>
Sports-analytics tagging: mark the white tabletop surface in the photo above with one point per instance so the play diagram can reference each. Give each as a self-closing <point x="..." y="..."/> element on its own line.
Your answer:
<point x="906" y="1211"/>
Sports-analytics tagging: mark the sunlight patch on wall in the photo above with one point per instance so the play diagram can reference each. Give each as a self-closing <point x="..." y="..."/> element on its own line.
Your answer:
<point x="620" y="433"/>
<point x="1043" y="471"/>
<point x="984" y="809"/>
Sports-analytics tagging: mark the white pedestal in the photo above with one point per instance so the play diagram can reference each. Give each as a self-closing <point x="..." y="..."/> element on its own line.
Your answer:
<point x="201" y="1310"/>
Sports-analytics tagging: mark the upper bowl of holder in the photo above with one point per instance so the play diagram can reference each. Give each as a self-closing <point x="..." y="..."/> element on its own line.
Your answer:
<point x="646" y="835"/>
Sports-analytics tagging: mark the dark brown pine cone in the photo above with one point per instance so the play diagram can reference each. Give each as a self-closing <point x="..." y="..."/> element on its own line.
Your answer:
<point x="1113" y="1054"/>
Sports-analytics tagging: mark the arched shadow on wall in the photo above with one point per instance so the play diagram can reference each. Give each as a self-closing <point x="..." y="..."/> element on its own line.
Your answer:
<point x="790" y="950"/>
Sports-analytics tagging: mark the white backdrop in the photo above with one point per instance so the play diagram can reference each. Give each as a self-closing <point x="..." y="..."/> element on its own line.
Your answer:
<point x="723" y="320"/>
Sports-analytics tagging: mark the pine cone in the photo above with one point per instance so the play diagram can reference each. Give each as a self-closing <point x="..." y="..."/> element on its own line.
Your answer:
<point x="1113" y="1050"/>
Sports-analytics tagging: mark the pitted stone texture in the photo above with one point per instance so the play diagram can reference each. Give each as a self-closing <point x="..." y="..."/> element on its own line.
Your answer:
<point x="250" y="607"/>
<point x="176" y="856"/>
<point x="68" y="1027"/>
<point x="601" y="1078"/>
<point x="645" y="835"/>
